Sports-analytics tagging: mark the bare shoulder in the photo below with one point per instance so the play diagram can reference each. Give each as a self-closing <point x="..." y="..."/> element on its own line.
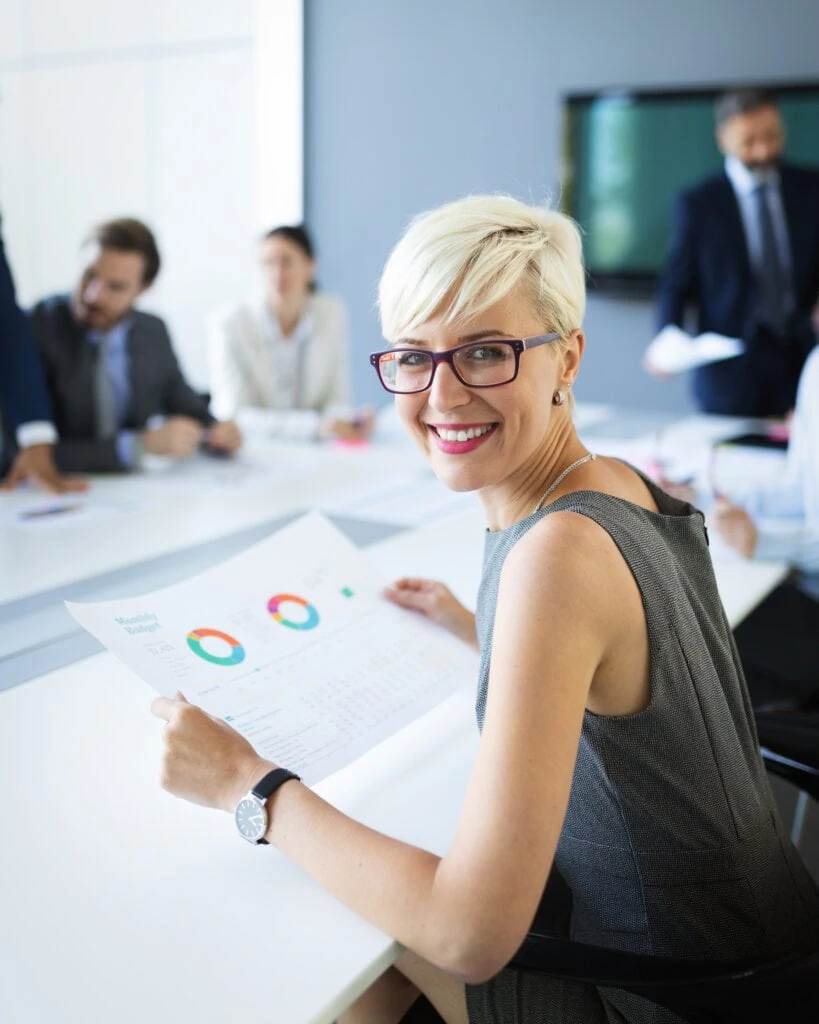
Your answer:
<point x="568" y="563"/>
<point x="560" y="540"/>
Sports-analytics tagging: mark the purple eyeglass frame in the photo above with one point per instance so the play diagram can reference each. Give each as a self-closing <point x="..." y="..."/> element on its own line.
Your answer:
<point x="517" y="345"/>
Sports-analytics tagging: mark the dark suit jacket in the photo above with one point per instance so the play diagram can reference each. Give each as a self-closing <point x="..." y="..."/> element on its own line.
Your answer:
<point x="156" y="383"/>
<point x="23" y="394"/>
<point x="709" y="266"/>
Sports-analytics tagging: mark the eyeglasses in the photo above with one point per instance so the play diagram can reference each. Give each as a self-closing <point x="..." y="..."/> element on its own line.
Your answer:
<point x="477" y="364"/>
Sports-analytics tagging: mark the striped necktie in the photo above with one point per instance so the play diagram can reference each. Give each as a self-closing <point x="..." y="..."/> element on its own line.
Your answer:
<point x="106" y="408"/>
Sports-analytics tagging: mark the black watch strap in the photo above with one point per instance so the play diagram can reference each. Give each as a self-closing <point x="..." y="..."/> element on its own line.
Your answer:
<point x="267" y="786"/>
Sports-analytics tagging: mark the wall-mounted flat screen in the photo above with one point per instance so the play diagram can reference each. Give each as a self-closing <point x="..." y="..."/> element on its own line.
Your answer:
<point x="628" y="153"/>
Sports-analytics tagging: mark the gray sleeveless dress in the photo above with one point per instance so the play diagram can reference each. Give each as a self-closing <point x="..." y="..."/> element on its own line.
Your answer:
<point x="672" y="844"/>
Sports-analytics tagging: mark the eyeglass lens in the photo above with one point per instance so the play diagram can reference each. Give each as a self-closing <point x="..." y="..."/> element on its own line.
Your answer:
<point x="484" y="364"/>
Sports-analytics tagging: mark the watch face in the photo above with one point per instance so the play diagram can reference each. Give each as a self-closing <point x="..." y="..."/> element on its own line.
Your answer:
<point x="251" y="819"/>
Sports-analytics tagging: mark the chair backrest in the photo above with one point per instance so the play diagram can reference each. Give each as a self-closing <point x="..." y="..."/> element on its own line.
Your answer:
<point x="796" y="772"/>
<point x="789" y="741"/>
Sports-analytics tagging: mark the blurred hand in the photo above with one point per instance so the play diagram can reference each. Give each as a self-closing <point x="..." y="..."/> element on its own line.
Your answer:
<point x="357" y="429"/>
<point x="204" y="760"/>
<point x="224" y="437"/>
<point x="437" y="603"/>
<point x="179" y="437"/>
<point x="735" y="526"/>
<point x="37" y="465"/>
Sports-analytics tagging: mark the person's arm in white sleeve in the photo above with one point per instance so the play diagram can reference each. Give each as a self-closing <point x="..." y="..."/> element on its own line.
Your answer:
<point x="36" y="432"/>
<point x="786" y="513"/>
<point x="783" y="498"/>
<point x="782" y="541"/>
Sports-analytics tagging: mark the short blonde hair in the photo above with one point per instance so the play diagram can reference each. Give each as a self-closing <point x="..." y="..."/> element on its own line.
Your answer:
<point x="462" y="258"/>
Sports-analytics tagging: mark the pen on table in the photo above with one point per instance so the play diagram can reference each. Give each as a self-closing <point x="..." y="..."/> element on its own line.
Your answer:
<point x="51" y="510"/>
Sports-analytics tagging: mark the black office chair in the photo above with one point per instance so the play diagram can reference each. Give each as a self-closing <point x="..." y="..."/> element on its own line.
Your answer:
<point x="701" y="992"/>
<point x="789" y="742"/>
<point x="786" y="990"/>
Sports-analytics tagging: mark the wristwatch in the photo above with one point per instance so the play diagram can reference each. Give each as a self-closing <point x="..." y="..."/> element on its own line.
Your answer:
<point x="251" y="812"/>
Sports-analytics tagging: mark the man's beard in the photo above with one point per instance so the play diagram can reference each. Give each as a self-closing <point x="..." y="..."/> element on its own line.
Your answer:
<point x="762" y="167"/>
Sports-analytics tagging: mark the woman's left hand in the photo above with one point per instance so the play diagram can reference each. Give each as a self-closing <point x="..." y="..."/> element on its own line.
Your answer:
<point x="205" y="761"/>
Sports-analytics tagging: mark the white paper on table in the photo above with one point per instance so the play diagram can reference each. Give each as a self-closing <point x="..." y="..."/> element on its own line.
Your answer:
<point x="312" y="695"/>
<point x="673" y="351"/>
<point x="410" y="499"/>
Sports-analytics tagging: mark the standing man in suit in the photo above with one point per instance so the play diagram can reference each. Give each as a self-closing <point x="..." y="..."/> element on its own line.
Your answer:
<point x="745" y="251"/>
<point x="25" y="412"/>
<point x="115" y="385"/>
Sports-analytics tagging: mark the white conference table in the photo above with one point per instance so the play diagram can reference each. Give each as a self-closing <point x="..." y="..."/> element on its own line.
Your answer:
<point x="118" y="902"/>
<point x="129" y="519"/>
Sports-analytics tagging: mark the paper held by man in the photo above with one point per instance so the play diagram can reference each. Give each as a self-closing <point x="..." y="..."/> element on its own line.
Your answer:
<point x="293" y="644"/>
<point x="673" y="351"/>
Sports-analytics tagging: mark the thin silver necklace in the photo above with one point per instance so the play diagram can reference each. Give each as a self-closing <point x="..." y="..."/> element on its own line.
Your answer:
<point x="586" y="458"/>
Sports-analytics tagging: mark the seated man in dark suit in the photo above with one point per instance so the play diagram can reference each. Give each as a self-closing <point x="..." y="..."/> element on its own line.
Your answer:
<point x="745" y="251"/>
<point x="115" y="385"/>
<point x="27" y="451"/>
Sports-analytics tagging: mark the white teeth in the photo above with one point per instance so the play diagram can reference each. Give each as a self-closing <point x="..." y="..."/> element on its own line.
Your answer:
<point x="463" y="435"/>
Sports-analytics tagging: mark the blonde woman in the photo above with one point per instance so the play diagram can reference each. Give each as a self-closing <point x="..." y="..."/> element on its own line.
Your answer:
<point x="617" y="743"/>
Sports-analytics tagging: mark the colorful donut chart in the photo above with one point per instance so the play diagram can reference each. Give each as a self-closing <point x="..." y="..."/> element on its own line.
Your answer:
<point x="236" y="655"/>
<point x="310" y="622"/>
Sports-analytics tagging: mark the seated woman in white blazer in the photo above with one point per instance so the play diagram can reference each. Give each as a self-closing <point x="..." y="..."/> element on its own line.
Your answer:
<point x="280" y="363"/>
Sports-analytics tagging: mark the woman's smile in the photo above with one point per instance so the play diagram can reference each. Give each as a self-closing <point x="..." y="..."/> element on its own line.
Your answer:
<point x="460" y="438"/>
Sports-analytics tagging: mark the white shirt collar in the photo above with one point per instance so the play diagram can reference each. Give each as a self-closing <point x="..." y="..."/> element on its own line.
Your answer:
<point x="745" y="181"/>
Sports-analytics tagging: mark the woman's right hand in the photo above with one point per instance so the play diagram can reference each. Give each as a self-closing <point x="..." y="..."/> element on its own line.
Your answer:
<point x="437" y="602"/>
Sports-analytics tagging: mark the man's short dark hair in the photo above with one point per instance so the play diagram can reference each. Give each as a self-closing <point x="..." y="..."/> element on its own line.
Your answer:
<point x="127" y="234"/>
<point x="742" y="101"/>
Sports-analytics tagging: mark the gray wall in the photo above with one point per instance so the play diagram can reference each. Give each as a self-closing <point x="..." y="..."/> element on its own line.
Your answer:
<point x="411" y="103"/>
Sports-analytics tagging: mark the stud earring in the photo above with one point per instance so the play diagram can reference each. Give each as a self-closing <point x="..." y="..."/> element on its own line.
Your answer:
<point x="558" y="398"/>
